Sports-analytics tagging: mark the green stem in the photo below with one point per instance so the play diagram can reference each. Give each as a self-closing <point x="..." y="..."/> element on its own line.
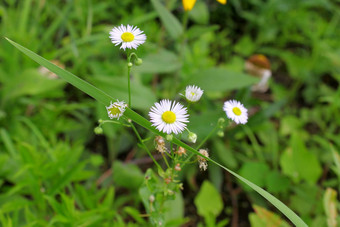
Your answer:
<point x="129" y="87"/>
<point x="254" y="142"/>
<point x="113" y="122"/>
<point x="143" y="145"/>
<point x="129" y="65"/>
<point x="166" y="161"/>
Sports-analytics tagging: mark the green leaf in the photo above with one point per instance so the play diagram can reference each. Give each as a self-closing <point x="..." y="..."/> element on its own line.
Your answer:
<point x="208" y="201"/>
<point x="174" y="209"/>
<point x="276" y="182"/>
<point x="128" y="176"/>
<point x="163" y="61"/>
<point x="245" y="46"/>
<point x="69" y="77"/>
<point x="299" y="163"/>
<point x="31" y="82"/>
<point x="225" y="154"/>
<point x="264" y="217"/>
<point x="200" y="13"/>
<point x="116" y="87"/>
<point x="220" y="79"/>
<point x="170" y="22"/>
<point x="105" y="99"/>
<point x="66" y="178"/>
<point x="254" y="171"/>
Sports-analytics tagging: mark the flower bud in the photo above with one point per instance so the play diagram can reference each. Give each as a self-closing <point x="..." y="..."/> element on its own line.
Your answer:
<point x="139" y="61"/>
<point x="98" y="130"/>
<point x="152" y="198"/>
<point x="192" y="137"/>
<point x="220" y="122"/>
<point x="220" y="133"/>
<point x="169" y="137"/>
<point x="130" y="64"/>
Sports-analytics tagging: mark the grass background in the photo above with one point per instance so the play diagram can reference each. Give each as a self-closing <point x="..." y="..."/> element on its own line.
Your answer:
<point x="54" y="171"/>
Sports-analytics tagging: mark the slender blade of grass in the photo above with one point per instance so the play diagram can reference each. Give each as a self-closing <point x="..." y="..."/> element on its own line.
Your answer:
<point x="79" y="83"/>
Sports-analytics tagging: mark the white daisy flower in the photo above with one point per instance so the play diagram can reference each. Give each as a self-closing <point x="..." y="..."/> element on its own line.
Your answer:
<point x="169" y="117"/>
<point x="129" y="36"/>
<point x="116" y="109"/>
<point x="193" y="93"/>
<point x="236" y="111"/>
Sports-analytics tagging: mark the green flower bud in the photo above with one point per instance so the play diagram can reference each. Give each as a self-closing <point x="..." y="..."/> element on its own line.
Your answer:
<point x="220" y="122"/>
<point x="169" y="137"/>
<point x="130" y="64"/>
<point x="220" y="133"/>
<point x="192" y="137"/>
<point x="98" y="130"/>
<point x="139" y="61"/>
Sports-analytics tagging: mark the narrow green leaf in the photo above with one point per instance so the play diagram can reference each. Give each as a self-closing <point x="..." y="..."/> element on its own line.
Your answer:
<point x="170" y="22"/>
<point x="69" y="77"/>
<point x="7" y="142"/>
<point x="105" y="99"/>
<point x="220" y="79"/>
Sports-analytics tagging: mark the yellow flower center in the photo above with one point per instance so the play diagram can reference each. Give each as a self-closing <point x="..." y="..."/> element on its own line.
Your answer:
<point x="169" y="117"/>
<point x="192" y="93"/>
<point x="237" y="111"/>
<point x="127" y="37"/>
<point x="114" y="110"/>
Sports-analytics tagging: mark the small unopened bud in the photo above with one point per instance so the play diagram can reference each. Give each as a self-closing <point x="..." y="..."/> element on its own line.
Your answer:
<point x="169" y="137"/>
<point x="139" y="61"/>
<point x="100" y="121"/>
<point x="192" y="137"/>
<point x="178" y="167"/>
<point x="168" y="180"/>
<point x="220" y="122"/>
<point x="98" y="130"/>
<point x="181" y="151"/>
<point x="130" y="64"/>
<point x="152" y="198"/>
<point x="220" y="133"/>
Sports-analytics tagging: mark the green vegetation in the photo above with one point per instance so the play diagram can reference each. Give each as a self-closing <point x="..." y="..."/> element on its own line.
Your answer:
<point x="55" y="171"/>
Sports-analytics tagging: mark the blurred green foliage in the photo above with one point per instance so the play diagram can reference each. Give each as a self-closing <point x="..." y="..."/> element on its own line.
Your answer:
<point x="54" y="171"/>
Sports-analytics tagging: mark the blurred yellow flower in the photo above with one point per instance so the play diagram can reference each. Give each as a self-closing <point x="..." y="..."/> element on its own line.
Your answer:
<point x="188" y="4"/>
<point x="222" y="1"/>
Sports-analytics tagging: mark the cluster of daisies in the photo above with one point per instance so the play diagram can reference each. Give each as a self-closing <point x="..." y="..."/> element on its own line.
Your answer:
<point x="168" y="116"/>
<point x="171" y="117"/>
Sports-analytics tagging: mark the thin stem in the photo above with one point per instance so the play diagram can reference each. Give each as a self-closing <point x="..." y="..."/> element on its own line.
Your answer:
<point x="185" y="20"/>
<point x="129" y="87"/>
<point x="165" y="160"/>
<point x="129" y="65"/>
<point x="143" y="145"/>
<point x="113" y="122"/>
<point x="254" y="142"/>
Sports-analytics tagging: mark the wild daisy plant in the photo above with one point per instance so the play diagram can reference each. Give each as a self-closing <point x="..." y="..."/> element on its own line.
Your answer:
<point x="168" y="119"/>
<point x="129" y="37"/>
